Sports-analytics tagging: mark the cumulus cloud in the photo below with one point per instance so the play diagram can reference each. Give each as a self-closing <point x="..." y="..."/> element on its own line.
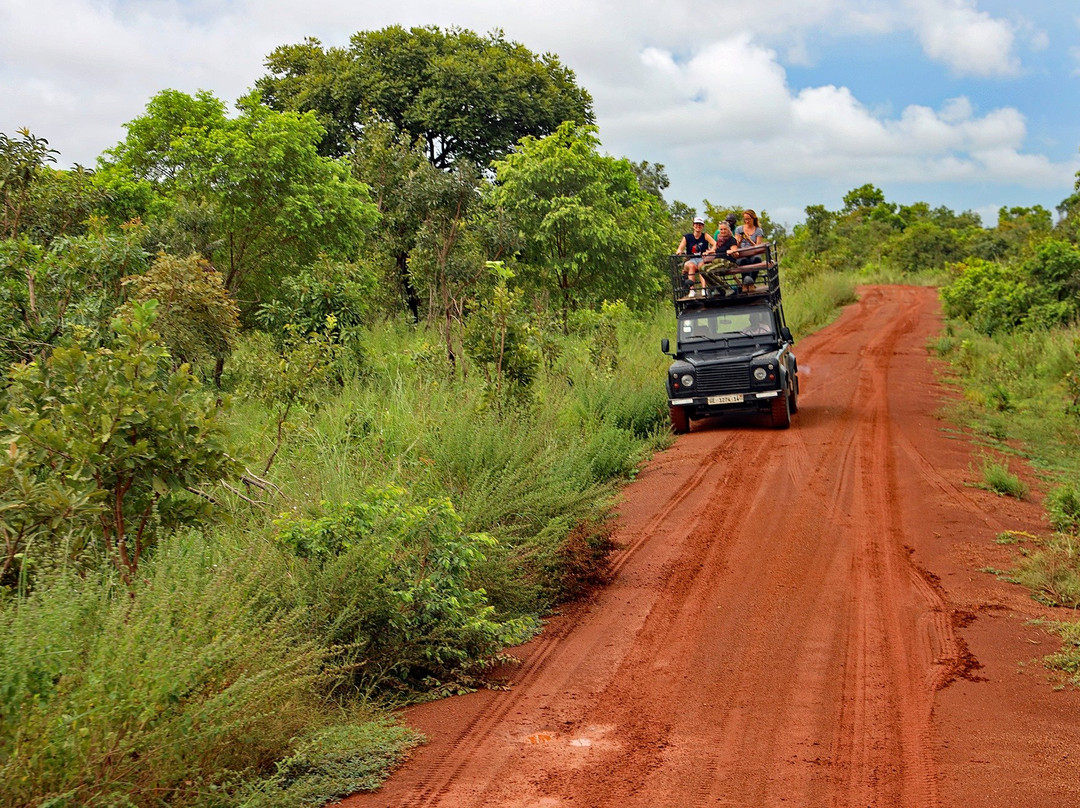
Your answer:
<point x="969" y="41"/>
<point x="752" y="123"/>
<point x="699" y="85"/>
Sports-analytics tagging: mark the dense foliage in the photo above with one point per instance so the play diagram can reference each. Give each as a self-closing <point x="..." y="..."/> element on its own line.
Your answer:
<point x="465" y="96"/>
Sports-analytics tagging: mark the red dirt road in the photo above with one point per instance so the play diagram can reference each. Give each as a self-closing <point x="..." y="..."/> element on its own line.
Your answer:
<point x="797" y="619"/>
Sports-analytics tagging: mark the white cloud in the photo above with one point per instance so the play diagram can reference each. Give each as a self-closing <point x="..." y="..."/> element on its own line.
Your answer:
<point x="696" y="84"/>
<point x="969" y="41"/>
<point x="755" y="125"/>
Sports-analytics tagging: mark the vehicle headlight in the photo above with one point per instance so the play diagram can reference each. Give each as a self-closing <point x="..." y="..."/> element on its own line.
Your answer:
<point x="687" y="380"/>
<point x="760" y="374"/>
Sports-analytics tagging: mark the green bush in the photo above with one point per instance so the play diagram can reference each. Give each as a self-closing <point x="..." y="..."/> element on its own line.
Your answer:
<point x="107" y="445"/>
<point x="1067" y="660"/>
<point x="998" y="478"/>
<point x="1053" y="571"/>
<point x="1063" y="506"/>
<point x="334" y="763"/>
<point x="503" y="345"/>
<point x="196" y="317"/>
<point x="388" y="585"/>
<point x="326" y="290"/>
<point x="993" y="297"/>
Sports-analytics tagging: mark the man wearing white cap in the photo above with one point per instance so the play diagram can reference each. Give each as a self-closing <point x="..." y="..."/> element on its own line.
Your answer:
<point x="695" y="244"/>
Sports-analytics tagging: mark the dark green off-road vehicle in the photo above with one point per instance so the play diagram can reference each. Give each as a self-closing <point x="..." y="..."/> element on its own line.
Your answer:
<point x="733" y="348"/>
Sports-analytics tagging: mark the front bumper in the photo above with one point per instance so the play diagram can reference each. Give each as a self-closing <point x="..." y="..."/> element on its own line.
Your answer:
<point x="724" y="401"/>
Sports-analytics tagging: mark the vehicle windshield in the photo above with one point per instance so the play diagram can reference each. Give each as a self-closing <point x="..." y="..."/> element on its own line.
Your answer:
<point x="740" y="321"/>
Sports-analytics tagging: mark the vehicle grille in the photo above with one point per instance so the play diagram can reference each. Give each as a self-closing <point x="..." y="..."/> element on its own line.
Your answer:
<point x="715" y="379"/>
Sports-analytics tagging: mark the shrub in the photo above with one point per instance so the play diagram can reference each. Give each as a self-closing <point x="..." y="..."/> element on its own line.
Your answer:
<point x="998" y="478"/>
<point x="993" y="297"/>
<point x="334" y="763"/>
<point x="325" y="290"/>
<point x="1053" y="572"/>
<point x="1063" y="506"/>
<point x="196" y="317"/>
<point x="389" y="586"/>
<point x="118" y="438"/>
<point x="500" y="340"/>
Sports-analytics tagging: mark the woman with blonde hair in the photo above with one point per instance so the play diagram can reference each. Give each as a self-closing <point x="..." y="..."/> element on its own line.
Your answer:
<point x="748" y="234"/>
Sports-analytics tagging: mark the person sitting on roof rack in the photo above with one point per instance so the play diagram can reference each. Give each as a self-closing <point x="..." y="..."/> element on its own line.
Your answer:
<point x="730" y="219"/>
<point x="725" y="243"/>
<point x="719" y="256"/>
<point x="695" y="244"/>
<point x="749" y="234"/>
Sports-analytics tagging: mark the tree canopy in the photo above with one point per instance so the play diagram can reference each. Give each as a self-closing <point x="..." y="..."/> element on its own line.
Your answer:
<point x="250" y="193"/>
<point x="588" y="230"/>
<point x="466" y="96"/>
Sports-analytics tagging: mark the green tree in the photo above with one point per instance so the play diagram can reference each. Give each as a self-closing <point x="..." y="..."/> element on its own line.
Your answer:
<point x="21" y="163"/>
<point x="196" y="317"/>
<point x="466" y="96"/>
<point x="269" y="201"/>
<point x="920" y="247"/>
<point x="588" y="231"/>
<point x="1035" y="219"/>
<point x="1055" y="267"/>
<point x="714" y="214"/>
<point x="503" y="344"/>
<point x="75" y="283"/>
<point x="126" y="441"/>
<point x="62" y="204"/>
<point x="432" y="253"/>
<point x="652" y="177"/>
<point x="866" y="196"/>
<point x="819" y="223"/>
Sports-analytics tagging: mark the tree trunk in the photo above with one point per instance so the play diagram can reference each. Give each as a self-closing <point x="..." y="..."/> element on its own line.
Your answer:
<point x="407" y="288"/>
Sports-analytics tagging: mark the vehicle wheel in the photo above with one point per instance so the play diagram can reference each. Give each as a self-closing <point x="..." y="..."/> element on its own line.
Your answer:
<point x="680" y="421"/>
<point x="795" y="395"/>
<point x="781" y="411"/>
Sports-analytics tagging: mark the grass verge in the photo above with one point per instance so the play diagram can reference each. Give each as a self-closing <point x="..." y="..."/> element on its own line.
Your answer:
<point x="1019" y="396"/>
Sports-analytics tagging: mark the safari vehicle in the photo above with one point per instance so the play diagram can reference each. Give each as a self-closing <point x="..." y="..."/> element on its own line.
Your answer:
<point x="733" y="347"/>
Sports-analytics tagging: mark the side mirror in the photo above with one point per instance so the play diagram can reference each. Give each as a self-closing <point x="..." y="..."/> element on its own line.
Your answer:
<point x="785" y="332"/>
<point x="664" y="345"/>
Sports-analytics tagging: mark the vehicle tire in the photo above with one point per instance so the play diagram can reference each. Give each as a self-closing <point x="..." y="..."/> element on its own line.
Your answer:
<point x="781" y="411"/>
<point x="795" y="394"/>
<point x="680" y="421"/>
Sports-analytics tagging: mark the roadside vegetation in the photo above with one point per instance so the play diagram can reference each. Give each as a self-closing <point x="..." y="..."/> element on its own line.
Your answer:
<point x="1013" y="345"/>
<point x="315" y="409"/>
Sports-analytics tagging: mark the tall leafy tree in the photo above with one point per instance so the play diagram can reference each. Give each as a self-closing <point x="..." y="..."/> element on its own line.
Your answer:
<point x="588" y="231"/>
<point x="250" y="193"/>
<point x="466" y="96"/>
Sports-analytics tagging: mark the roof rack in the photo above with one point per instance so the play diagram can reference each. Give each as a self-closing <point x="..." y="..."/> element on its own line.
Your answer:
<point x="725" y="280"/>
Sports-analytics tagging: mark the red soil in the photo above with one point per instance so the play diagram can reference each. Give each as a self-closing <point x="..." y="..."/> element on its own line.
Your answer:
<point x="798" y="618"/>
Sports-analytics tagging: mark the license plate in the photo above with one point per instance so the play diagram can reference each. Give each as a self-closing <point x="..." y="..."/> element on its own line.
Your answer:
<point x="733" y="399"/>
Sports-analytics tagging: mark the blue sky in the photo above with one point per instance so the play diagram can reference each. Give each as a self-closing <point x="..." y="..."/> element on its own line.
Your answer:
<point x="775" y="105"/>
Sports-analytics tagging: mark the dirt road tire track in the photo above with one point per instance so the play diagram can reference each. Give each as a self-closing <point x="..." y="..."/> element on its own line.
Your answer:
<point x="790" y="623"/>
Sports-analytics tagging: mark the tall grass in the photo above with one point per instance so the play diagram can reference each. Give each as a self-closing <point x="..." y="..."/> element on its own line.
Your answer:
<point x="1019" y="390"/>
<point x="530" y="473"/>
<point x="150" y="695"/>
<point x="816" y="300"/>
